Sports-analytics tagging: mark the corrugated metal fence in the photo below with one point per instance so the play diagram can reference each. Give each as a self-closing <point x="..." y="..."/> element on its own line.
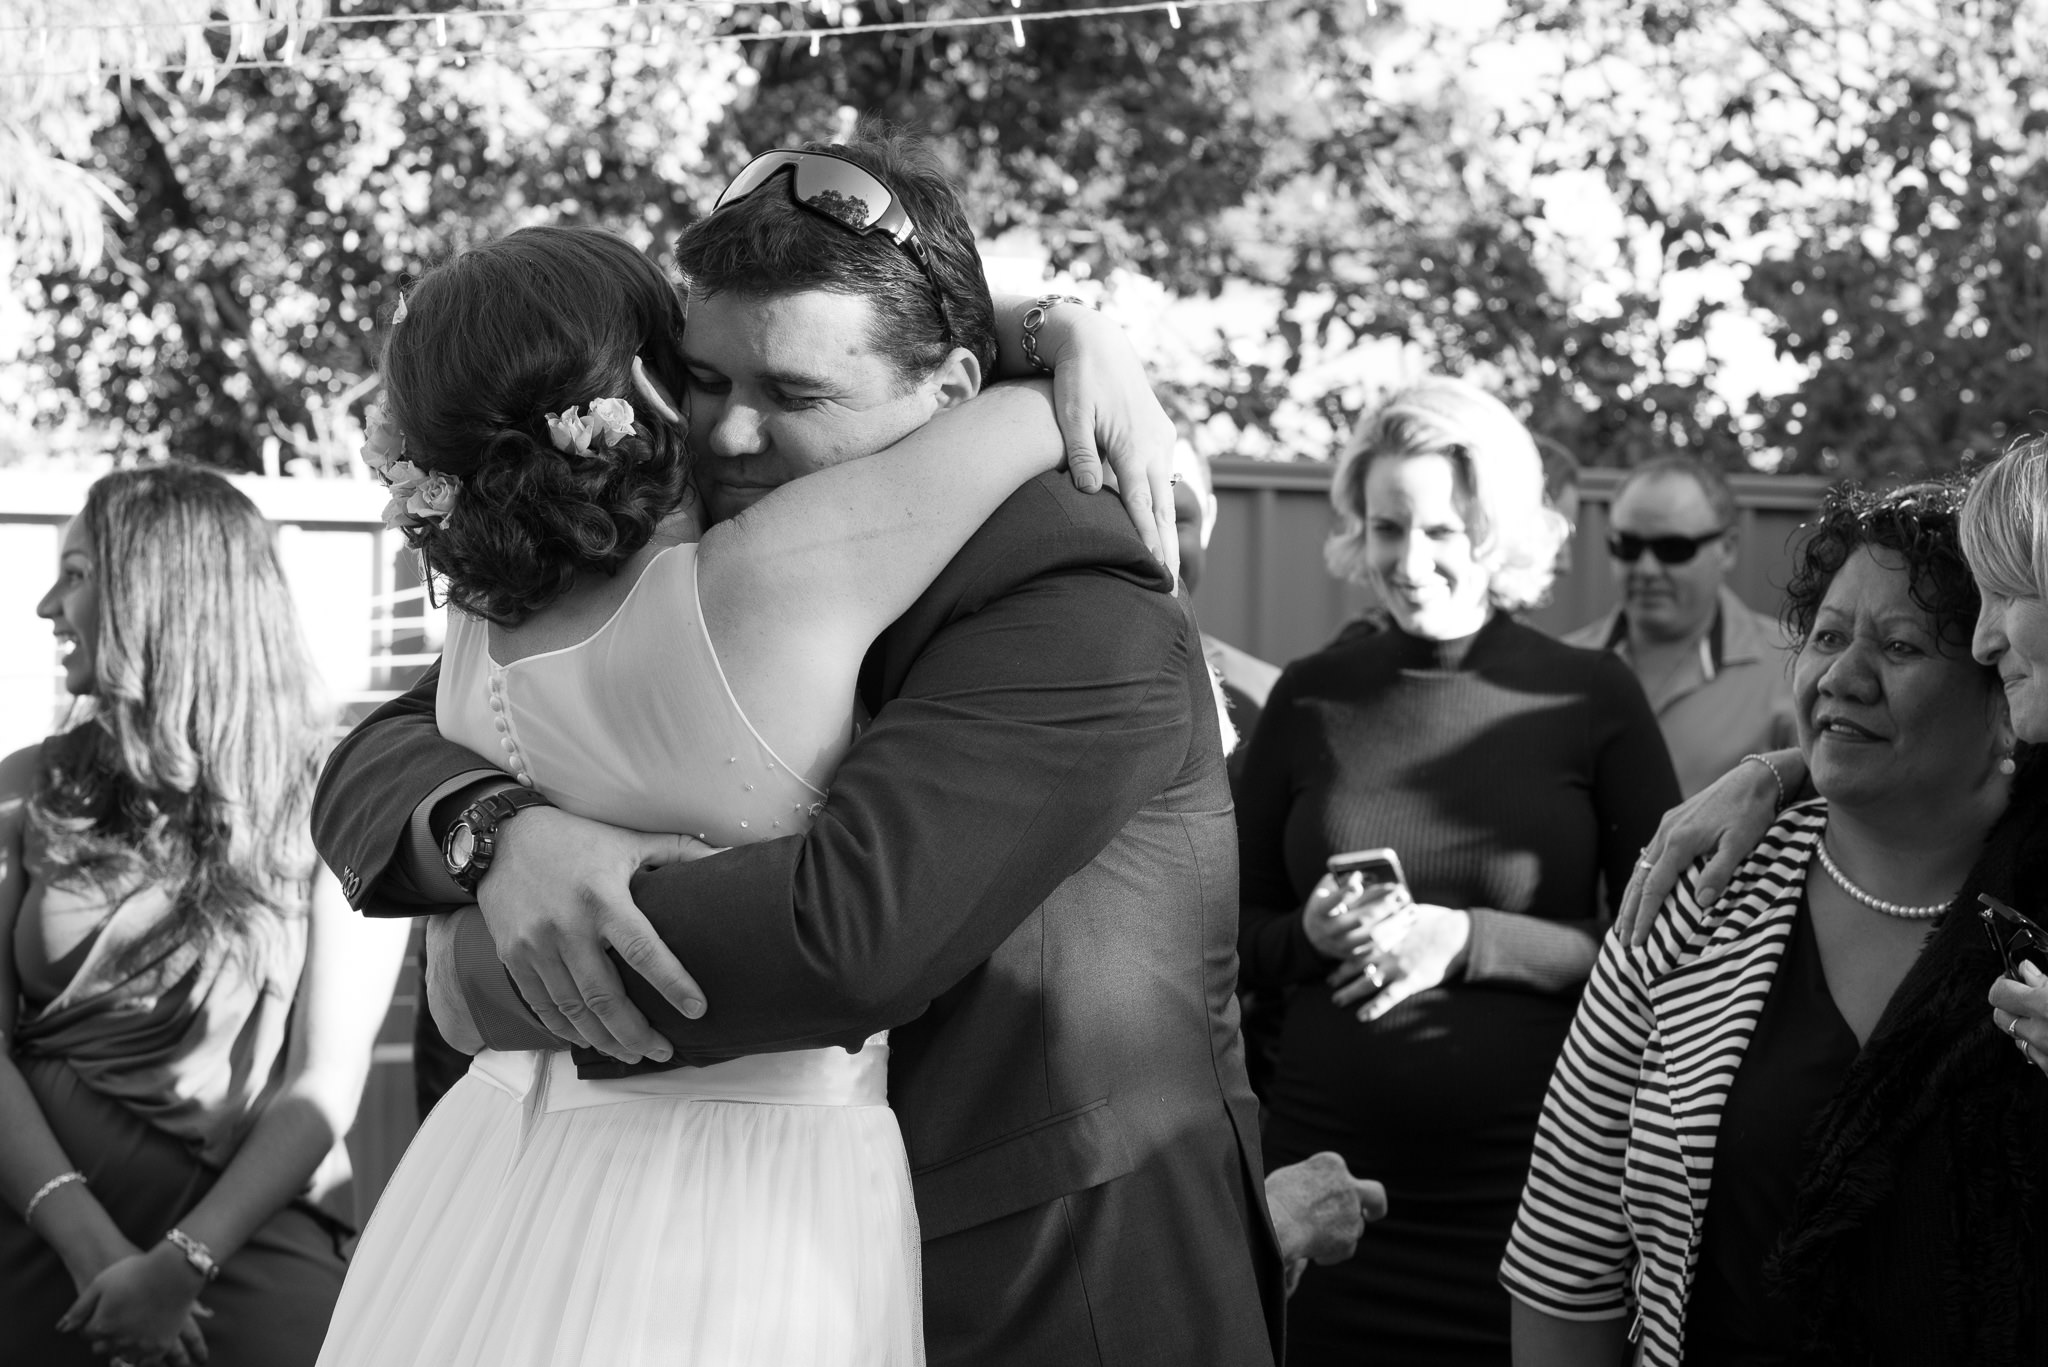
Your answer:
<point x="1264" y="589"/>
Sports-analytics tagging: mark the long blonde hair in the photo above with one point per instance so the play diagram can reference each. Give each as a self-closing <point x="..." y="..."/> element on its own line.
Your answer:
<point x="193" y="766"/>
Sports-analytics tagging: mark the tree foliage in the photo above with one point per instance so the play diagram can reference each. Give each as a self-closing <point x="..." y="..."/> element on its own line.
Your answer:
<point x="1779" y="234"/>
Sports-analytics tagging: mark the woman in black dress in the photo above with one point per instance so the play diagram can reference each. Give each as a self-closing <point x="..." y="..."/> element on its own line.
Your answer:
<point x="1511" y="774"/>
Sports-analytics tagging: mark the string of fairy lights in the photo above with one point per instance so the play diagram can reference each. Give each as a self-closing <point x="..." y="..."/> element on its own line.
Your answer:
<point x="1014" y="17"/>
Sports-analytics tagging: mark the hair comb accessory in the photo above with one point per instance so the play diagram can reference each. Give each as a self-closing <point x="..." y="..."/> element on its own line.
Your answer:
<point x="651" y="392"/>
<point x="606" y="422"/>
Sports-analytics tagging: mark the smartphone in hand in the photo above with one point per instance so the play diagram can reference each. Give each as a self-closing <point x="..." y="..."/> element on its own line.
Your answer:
<point x="1377" y="871"/>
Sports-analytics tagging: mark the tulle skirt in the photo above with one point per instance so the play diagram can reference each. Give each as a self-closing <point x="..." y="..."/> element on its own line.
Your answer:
<point x="541" y="1221"/>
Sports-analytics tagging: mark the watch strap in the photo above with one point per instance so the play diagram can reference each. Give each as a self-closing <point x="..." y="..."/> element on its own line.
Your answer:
<point x="196" y="1253"/>
<point x="482" y="819"/>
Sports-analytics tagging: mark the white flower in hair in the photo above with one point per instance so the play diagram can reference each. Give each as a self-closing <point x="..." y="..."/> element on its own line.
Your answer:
<point x="417" y="495"/>
<point x="616" y="416"/>
<point x="568" y="432"/>
<point x="573" y="430"/>
<point x="383" y="443"/>
<point x="433" y="498"/>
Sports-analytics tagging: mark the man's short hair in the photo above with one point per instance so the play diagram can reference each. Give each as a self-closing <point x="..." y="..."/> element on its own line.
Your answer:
<point x="1710" y="480"/>
<point x="767" y="244"/>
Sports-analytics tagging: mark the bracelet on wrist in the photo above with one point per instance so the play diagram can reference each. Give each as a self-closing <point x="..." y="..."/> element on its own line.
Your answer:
<point x="1776" y="777"/>
<point x="28" y="1212"/>
<point x="1034" y="319"/>
<point x="197" y="1254"/>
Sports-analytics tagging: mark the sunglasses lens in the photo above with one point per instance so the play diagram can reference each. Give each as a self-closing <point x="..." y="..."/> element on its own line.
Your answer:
<point x="1628" y="548"/>
<point x="841" y="191"/>
<point x="1669" y="550"/>
<point x="752" y="177"/>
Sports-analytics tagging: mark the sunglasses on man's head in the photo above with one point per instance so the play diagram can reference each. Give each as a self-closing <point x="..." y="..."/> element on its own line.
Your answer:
<point x="1628" y="548"/>
<point x="844" y="192"/>
<point x="2015" y="935"/>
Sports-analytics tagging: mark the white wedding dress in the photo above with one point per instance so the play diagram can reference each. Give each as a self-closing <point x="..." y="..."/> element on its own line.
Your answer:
<point x="752" y="1214"/>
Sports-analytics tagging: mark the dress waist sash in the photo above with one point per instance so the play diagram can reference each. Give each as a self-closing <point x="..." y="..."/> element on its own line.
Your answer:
<point x="802" y="1077"/>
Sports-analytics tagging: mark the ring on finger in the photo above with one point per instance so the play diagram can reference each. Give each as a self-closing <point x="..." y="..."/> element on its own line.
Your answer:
<point x="2012" y="1027"/>
<point x="1375" y="976"/>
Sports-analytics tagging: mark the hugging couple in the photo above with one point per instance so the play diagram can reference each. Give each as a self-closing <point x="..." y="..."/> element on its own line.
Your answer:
<point x="839" y="778"/>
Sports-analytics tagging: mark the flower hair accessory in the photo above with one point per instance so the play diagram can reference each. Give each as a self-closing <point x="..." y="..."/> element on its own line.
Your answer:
<point x="417" y="496"/>
<point x="606" y="422"/>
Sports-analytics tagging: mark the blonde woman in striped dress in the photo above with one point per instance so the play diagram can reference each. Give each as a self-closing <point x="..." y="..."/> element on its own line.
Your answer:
<point x="1782" y="1129"/>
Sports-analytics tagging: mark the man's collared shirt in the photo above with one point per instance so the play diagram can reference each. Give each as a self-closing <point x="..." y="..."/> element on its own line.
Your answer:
<point x="1734" y="698"/>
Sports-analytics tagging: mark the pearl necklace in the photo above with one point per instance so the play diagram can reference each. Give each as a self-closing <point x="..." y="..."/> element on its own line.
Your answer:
<point x="1898" y="909"/>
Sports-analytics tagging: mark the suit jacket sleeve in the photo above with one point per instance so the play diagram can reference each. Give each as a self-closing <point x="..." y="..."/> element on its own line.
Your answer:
<point x="373" y="792"/>
<point x="1025" y="725"/>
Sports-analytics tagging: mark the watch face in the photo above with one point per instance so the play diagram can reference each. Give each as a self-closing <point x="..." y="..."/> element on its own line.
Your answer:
<point x="461" y="846"/>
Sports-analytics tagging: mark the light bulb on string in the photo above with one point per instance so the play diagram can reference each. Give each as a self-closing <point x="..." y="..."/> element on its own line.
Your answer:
<point x="293" y="57"/>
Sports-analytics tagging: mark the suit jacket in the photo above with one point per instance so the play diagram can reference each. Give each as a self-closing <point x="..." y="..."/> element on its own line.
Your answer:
<point x="1027" y="868"/>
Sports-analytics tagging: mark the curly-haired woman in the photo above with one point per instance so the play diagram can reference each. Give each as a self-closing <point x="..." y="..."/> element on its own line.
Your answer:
<point x="1509" y="773"/>
<point x="188" y="1002"/>
<point x="1784" y="1129"/>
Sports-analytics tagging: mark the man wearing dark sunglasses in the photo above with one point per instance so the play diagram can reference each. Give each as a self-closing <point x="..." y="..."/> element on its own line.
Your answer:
<point x="1714" y="669"/>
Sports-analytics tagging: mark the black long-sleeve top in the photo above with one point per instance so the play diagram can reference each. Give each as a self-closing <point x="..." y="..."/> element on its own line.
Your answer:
<point x="1511" y="773"/>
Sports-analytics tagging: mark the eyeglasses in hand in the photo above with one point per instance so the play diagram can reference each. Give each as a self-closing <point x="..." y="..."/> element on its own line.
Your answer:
<point x="2014" y="934"/>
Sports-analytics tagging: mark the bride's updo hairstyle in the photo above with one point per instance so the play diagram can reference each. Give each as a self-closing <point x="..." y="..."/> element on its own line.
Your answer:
<point x="485" y="347"/>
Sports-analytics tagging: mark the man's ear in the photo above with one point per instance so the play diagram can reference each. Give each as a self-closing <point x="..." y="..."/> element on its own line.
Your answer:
<point x="957" y="380"/>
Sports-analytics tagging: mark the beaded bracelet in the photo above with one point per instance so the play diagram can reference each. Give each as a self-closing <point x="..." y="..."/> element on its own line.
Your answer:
<point x="1034" y="319"/>
<point x="1776" y="777"/>
<point x="74" y="1175"/>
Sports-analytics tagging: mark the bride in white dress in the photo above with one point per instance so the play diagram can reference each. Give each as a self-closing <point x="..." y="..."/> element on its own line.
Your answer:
<point x="703" y="682"/>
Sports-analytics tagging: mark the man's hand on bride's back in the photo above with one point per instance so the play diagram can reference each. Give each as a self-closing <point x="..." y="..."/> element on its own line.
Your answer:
<point x="556" y="896"/>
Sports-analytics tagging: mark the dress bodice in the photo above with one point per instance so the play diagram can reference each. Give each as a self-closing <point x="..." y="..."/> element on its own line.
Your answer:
<point x="635" y="724"/>
<point x="191" y="1037"/>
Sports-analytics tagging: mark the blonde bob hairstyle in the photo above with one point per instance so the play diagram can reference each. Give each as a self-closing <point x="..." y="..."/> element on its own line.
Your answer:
<point x="2004" y="522"/>
<point x="1515" y="532"/>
